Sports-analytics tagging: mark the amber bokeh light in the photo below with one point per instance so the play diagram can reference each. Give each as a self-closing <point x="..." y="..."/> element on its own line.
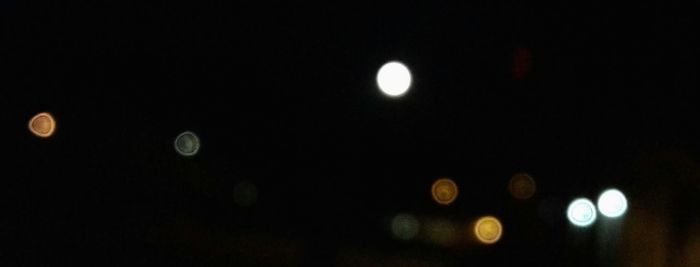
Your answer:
<point x="522" y="186"/>
<point x="42" y="125"/>
<point x="444" y="191"/>
<point x="488" y="229"/>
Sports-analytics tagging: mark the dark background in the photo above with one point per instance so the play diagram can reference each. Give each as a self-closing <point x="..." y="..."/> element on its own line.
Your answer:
<point x="284" y="97"/>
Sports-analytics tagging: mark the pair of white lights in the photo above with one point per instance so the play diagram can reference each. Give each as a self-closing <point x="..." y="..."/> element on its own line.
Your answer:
<point x="611" y="203"/>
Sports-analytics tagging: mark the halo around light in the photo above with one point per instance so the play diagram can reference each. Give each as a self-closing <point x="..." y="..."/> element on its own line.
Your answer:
<point x="394" y="79"/>
<point x="612" y="203"/>
<point x="581" y="212"/>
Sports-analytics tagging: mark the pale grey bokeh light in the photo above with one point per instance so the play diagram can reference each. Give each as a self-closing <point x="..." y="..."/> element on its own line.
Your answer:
<point x="405" y="226"/>
<point x="187" y="144"/>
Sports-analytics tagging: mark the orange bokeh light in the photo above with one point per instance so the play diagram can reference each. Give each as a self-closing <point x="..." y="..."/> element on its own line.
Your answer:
<point x="522" y="186"/>
<point x="444" y="191"/>
<point x="42" y="125"/>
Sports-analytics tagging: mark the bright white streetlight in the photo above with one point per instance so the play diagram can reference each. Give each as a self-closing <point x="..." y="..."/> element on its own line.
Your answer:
<point x="612" y="203"/>
<point x="394" y="79"/>
<point x="581" y="212"/>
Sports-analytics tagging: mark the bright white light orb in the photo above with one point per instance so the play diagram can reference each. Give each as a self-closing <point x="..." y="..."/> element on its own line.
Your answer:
<point x="394" y="79"/>
<point x="612" y="203"/>
<point x="581" y="212"/>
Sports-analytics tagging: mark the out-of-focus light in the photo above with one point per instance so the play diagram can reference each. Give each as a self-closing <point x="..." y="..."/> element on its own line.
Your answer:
<point x="394" y="79"/>
<point x="612" y="203"/>
<point x="187" y="143"/>
<point x="42" y="125"/>
<point x="522" y="62"/>
<point x="581" y="212"/>
<point x="441" y="232"/>
<point x="245" y="194"/>
<point x="444" y="191"/>
<point x="405" y="226"/>
<point x="522" y="186"/>
<point x="488" y="229"/>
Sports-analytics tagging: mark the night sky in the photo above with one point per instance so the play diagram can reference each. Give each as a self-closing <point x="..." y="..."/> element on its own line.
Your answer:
<point x="284" y="100"/>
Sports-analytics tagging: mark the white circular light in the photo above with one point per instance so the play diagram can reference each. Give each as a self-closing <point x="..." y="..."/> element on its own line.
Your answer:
<point x="394" y="79"/>
<point x="612" y="203"/>
<point x="187" y="143"/>
<point x="581" y="212"/>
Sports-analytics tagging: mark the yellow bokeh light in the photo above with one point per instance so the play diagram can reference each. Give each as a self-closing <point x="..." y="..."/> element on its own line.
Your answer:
<point x="522" y="186"/>
<point x="488" y="229"/>
<point x="444" y="191"/>
<point x="42" y="125"/>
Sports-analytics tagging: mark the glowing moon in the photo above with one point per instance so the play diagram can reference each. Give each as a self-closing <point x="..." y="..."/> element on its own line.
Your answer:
<point x="394" y="79"/>
<point x="187" y="144"/>
<point x="42" y="125"/>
